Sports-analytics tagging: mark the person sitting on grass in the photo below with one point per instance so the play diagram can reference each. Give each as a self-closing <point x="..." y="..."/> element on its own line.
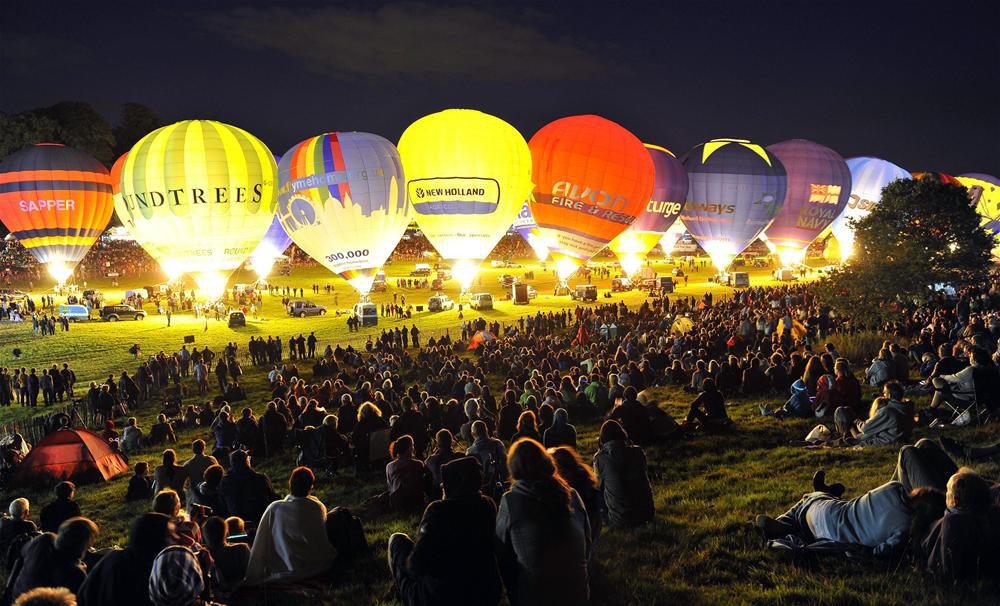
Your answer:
<point x="207" y="491"/>
<point x="55" y="559"/>
<point x="452" y="561"/>
<point x="621" y="471"/>
<point x="582" y="478"/>
<point x="561" y="433"/>
<point x="883" y="520"/>
<point x="177" y="578"/>
<point x="122" y="576"/>
<point x="231" y="559"/>
<point x="442" y="455"/>
<point x="707" y="410"/>
<point x="169" y="474"/>
<point x="162" y="432"/>
<point x="542" y="533"/>
<point x="633" y="416"/>
<point x="291" y="544"/>
<point x="405" y="477"/>
<point x="890" y="421"/>
<point x="140" y="486"/>
<point x="131" y="437"/>
<point x="245" y="491"/>
<point x="962" y="545"/>
<point x="61" y="509"/>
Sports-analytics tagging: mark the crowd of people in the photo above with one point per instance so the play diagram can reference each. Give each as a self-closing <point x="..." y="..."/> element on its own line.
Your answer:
<point x="484" y="449"/>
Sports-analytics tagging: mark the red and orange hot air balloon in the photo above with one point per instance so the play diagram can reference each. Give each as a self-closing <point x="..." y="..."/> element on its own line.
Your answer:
<point x="56" y="201"/>
<point x="592" y="180"/>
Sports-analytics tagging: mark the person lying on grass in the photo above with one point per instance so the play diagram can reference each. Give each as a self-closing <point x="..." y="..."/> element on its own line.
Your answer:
<point x="883" y="520"/>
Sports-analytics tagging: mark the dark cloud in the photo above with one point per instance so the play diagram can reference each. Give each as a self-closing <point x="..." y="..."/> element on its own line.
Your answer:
<point x="412" y="41"/>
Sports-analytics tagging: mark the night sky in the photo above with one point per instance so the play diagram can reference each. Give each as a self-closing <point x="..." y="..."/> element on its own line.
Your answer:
<point x="917" y="83"/>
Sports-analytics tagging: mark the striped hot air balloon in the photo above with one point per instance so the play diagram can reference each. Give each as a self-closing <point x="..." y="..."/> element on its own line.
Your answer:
<point x="56" y="201"/>
<point x="198" y="195"/>
<point x="341" y="199"/>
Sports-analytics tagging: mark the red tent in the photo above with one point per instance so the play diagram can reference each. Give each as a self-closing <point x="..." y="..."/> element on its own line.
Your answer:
<point x="78" y="455"/>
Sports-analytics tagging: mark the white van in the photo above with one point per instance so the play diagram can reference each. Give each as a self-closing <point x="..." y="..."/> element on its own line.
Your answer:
<point x="366" y="313"/>
<point x="481" y="300"/>
<point x="75" y="313"/>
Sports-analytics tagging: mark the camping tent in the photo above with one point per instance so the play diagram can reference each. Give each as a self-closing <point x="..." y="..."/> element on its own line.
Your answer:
<point x="78" y="455"/>
<point x="479" y="338"/>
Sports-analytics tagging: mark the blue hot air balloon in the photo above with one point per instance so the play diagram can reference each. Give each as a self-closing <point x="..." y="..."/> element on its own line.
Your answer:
<point x="868" y="177"/>
<point x="735" y="189"/>
<point x="819" y="184"/>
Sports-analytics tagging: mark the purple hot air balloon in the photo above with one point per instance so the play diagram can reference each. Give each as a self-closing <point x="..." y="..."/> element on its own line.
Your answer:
<point x="669" y="194"/>
<point x="819" y="185"/>
<point x="735" y="189"/>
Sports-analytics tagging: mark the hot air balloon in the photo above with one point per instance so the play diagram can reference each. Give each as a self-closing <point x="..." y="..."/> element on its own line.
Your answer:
<point x="271" y="246"/>
<point x="341" y="200"/>
<point x="819" y="184"/>
<point x="735" y="190"/>
<point x="593" y="179"/>
<point x="467" y="175"/>
<point x="984" y="191"/>
<point x="198" y="195"/>
<point x="868" y="177"/>
<point x="56" y="201"/>
<point x="669" y="193"/>
<point x="942" y="177"/>
<point x="526" y="227"/>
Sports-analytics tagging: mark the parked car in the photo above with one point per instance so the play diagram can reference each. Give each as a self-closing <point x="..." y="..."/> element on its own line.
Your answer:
<point x="621" y="285"/>
<point x="421" y="269"/>
<point x="440" y="303"/>
<point x="506" y="280"/>
<point x="237" y="318"/>
<point x="481" y="300"/>
<point x="303" y="308"/>
<point x="113" y="313"/>
<point x="584" y="292"/>
<point x="366" y="313"/>
<point x="75" y="313"/>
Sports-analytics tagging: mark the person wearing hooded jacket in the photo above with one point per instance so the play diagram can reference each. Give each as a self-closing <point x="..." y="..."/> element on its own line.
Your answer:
<point x="122" y="576"/>
<point x="621" y="472"/>
<point x="542" y="533"/>
<point x="561" y="433"/>
<point x="891" y="420"/>
<point x="452" y="561"/>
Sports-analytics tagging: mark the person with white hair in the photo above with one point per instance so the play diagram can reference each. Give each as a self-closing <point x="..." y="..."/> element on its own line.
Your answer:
<point x="16" y="523"/>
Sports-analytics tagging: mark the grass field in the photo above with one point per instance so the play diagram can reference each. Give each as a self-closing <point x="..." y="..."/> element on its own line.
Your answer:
<point x="700" y="549"/>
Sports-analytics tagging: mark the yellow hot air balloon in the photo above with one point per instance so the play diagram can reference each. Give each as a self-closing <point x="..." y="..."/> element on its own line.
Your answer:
<point x="198" y="195"/>
<point x="467" y="176"/>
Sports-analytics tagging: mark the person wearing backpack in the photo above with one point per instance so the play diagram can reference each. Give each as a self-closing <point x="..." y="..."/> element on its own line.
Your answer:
<point x="621" y="471"/>
<point x="452" y="561"/>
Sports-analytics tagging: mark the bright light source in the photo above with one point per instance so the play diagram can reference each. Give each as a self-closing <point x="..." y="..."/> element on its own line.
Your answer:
<point x="565" y="266"/>
<point x="172" y="268"/>
<point x="60" y="271"/>
<point x="211" y="283"/>
<point x="465" y="272"/>
<point x="262" y="264"/>
<point x="721" y="253"/>
<point x="791" y="256"/>
<point x="846" y="249"/>
<point x="630" y="264"/>
<point x="362" y="284"/>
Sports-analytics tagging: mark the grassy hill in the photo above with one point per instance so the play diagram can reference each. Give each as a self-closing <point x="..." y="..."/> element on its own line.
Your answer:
<point x="707" y="488"/>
